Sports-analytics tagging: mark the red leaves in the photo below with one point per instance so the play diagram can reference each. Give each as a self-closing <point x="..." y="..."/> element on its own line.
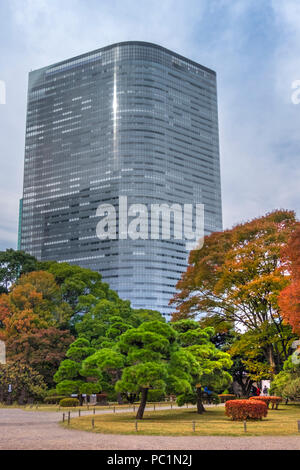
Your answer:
<point x="289" y="299"/>
<point x="267" y="400"/>
<point x="240" y="410"/>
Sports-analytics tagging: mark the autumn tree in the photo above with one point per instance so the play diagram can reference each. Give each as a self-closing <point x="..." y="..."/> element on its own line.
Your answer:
<point x="289" y="300"/>
<point x="34" y="302"/>
<point x="237" y="275"/>
<point x="41" y="349"/>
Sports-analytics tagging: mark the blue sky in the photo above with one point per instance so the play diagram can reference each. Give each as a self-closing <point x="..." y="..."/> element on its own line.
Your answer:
<point x="253" y="46"/>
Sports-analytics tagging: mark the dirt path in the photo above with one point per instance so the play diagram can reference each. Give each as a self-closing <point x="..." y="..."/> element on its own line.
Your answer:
<point x="40" y="431"/>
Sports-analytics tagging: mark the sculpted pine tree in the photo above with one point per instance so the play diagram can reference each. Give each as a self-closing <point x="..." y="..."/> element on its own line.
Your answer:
<point x="210" y="365"/>
<point x="237" y="275"/>
<point x="147" y="350"/>
<point x="72" y="377"/>
<point x="108" y="361"/>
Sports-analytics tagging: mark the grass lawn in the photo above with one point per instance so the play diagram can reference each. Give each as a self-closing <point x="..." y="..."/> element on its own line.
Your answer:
<point x="214" y="422"/>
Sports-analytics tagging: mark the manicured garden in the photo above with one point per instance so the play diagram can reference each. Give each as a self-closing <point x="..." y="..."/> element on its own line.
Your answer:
<point x="184" y="422"/>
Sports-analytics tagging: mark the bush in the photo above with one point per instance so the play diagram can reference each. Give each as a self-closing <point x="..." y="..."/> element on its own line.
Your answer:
<point x="66" y="402"/>
<point x="240" y="410"/>
<point x="53" y="400"/>
<point x="267" y="400"/>
<point x="226" y="396"/>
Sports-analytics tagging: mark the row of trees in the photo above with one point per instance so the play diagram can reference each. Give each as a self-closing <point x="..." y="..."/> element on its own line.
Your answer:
<point x="237" y="314"/>
<point x="176" y="358"/>
<point x="45" y="306"/>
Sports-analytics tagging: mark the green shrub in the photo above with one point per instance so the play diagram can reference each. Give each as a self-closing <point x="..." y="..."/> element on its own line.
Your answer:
<point x="240" y="410"/>
<point x="68" y="402"/>
<point x="54" y="400"/>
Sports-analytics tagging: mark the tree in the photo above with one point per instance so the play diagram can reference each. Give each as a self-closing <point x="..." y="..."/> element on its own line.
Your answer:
<point x="24" y="383"/>
<point x="147" y="350"/>
<point x="109" y="362"/>
<point x="72" y="377"/>
<point x="41" y="349"/>
<point x="237" y="275"/>
<point x="289" y="300"/>
<point x="12" y="265"/>
<point x="210" y="363"/>
<point x="34" y="302"/>
<point x="287" y="382"/>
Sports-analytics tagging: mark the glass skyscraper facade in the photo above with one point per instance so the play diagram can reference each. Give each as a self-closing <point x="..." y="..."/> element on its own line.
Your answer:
<point x="132" y="119"/>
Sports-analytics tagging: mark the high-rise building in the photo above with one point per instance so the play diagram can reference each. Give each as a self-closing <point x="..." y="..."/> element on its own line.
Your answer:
<point x="132" y="119"/>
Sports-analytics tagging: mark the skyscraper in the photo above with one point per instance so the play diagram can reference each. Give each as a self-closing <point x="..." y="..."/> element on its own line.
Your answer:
<point x="129" y="120"/>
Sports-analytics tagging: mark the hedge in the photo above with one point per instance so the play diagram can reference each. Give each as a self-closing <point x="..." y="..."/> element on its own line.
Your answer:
<point x="54" y="400"/>
<point x="226" y="396"/>
<point x="240" y="410"/>
<point x="273" y="400"/>
<point x="66" y="402"/>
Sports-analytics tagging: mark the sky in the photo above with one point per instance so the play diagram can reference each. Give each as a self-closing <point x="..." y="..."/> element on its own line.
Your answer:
<point x="253" y="47"/>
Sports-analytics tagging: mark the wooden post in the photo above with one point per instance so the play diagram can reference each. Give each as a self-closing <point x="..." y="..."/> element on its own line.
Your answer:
<point x="134" y="408"/>
<point x="245" y="426"/>
<point x="94" y="411"/>
<point x="114" y="409"/>
<point x="171" y="405"/>
<point x="63" y="417"/>
<point x="93" y="423"/>
<point x="194" y="426"/>
<point x="154" y="407"/>
<point x="136" y="426"/>
<point x="79" y="413"/>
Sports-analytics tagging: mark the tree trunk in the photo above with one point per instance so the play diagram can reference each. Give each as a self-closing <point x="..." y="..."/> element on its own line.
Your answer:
<point x="142" y="406"/>
<point x="81" y="399"/>
<point x="119" y="398"/>
<point x="271" y="359"/>
<point x="200" y="407"/>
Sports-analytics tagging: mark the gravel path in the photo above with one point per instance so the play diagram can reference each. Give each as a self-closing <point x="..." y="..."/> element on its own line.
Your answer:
<point x="40" y="431"/>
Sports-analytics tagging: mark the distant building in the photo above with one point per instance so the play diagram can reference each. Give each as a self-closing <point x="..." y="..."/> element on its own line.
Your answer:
<point x="132" y="119"/>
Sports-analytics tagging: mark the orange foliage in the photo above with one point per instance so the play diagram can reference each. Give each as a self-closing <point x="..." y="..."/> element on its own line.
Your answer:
<point x="289" y="300"/>
<point x="29" y="305"/>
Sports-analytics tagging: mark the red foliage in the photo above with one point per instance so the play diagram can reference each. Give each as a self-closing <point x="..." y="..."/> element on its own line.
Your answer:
<point x="240" y="410"/>
<point x="273" y="400"/>
<point x="289" y="300"/>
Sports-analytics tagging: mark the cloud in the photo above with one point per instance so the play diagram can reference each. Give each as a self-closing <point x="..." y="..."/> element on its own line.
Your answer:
<point x="253" y="46"/>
